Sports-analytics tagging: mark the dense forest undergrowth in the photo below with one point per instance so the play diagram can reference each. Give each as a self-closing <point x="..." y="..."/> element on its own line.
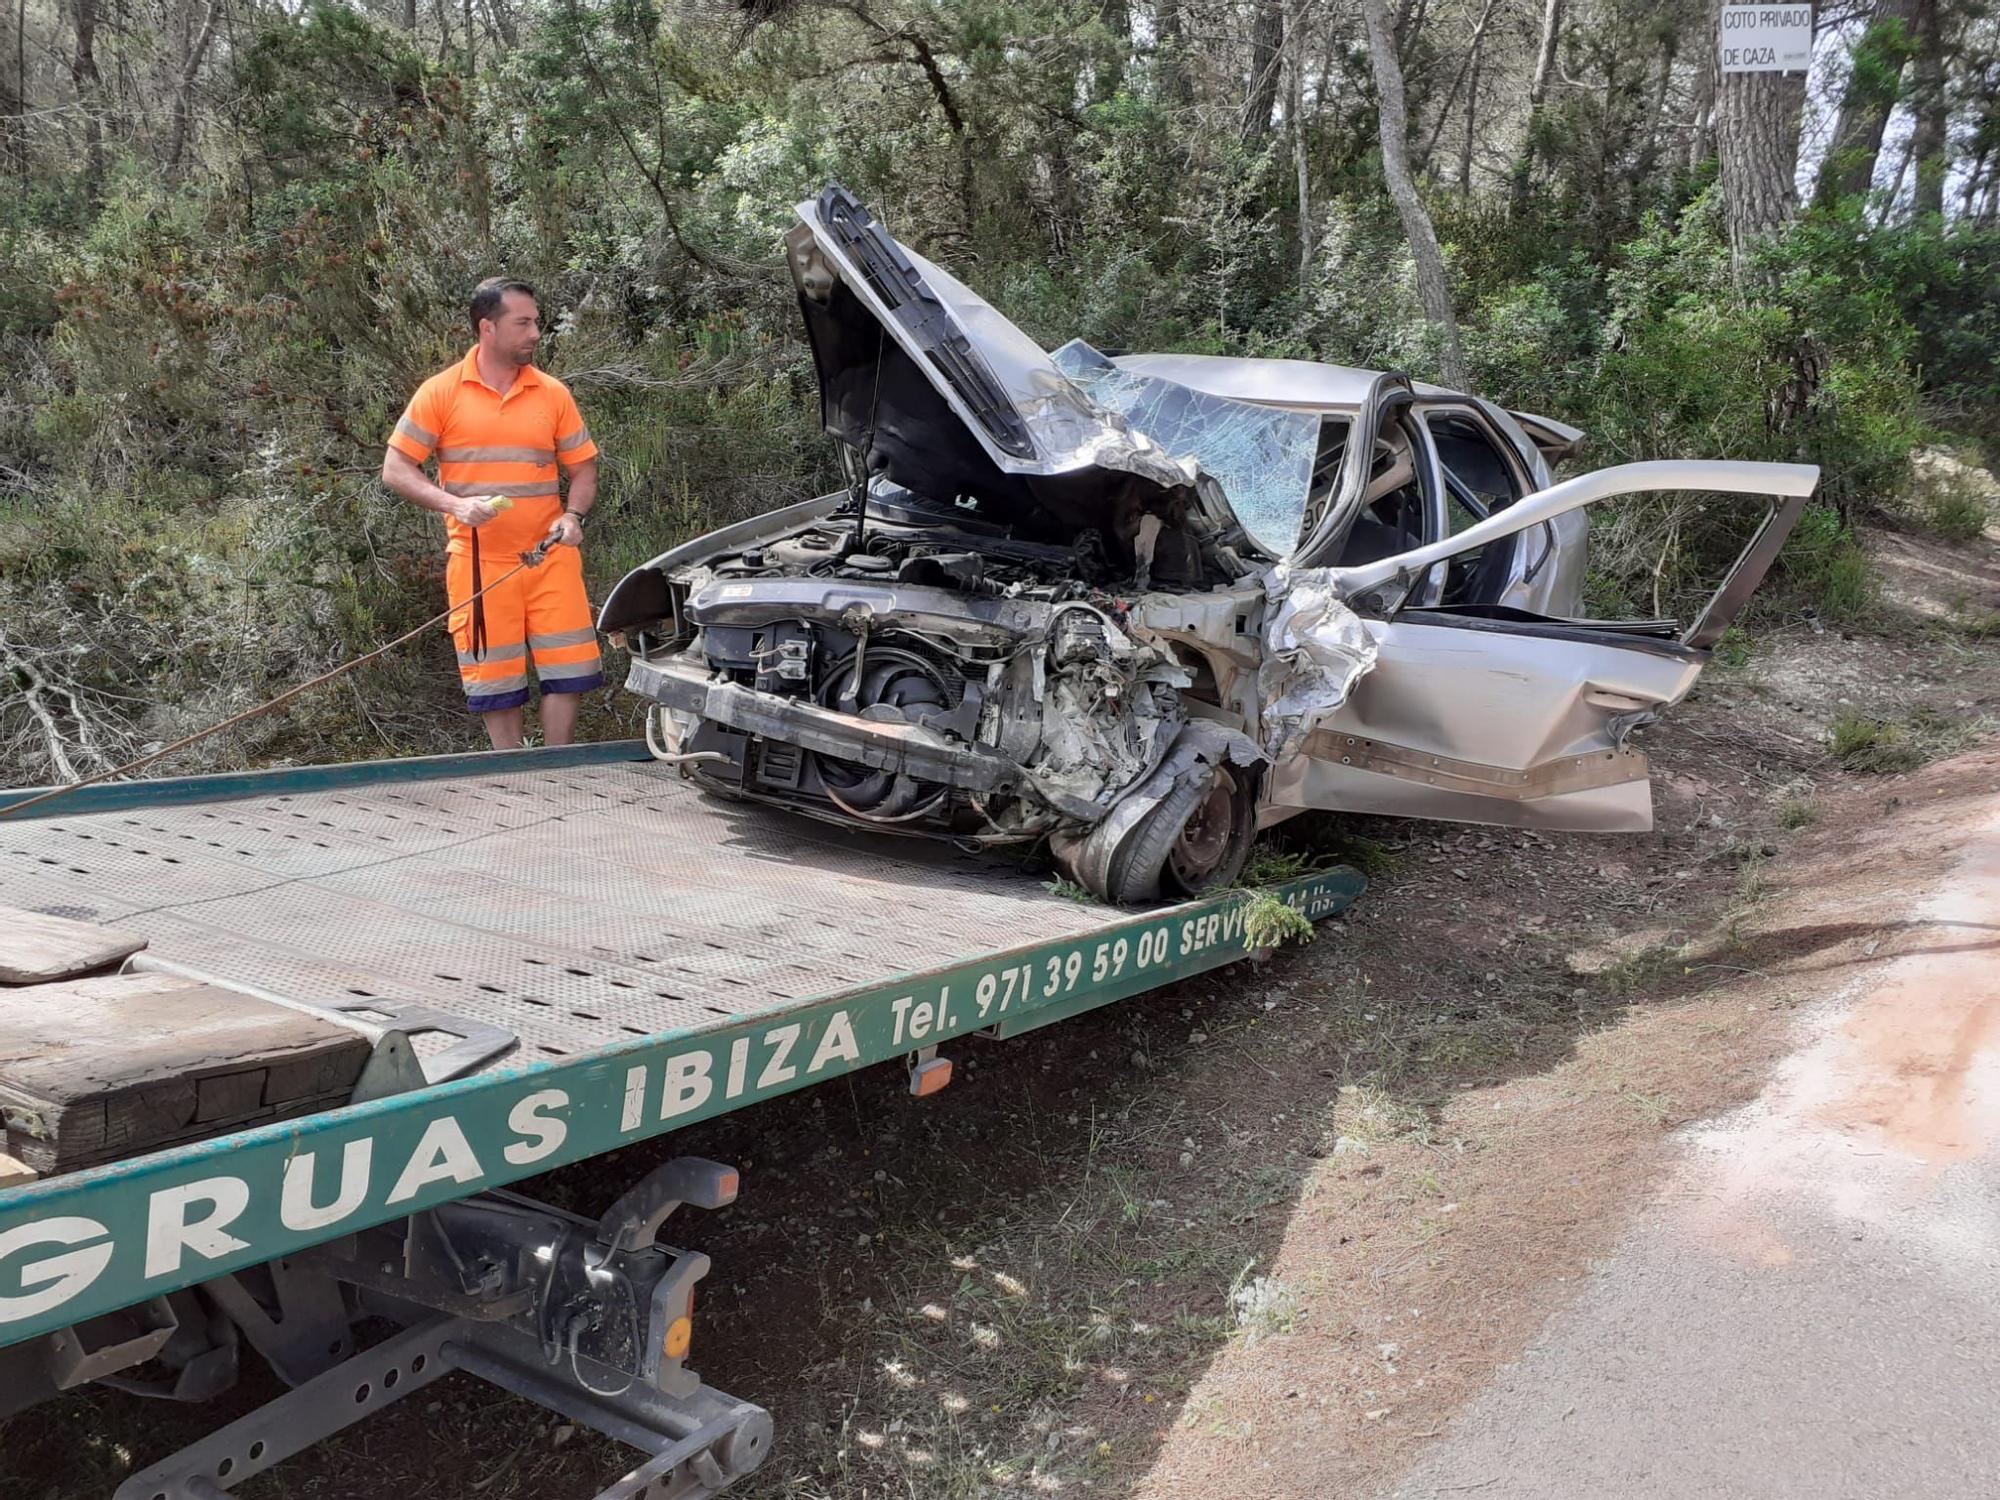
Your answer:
<point x="234" y="235"/>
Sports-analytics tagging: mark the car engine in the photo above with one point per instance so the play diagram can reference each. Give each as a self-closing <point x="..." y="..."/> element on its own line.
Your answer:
<point x="1017" y="654"/>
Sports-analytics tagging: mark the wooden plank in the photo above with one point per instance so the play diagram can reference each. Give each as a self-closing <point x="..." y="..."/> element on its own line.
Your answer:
<point x="36" y="948"/>
<point x="94" y="1070"/>
<point x="15" y="1173"/>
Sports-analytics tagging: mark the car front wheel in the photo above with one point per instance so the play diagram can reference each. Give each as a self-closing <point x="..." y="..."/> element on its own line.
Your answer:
<point x="1198" y="839"/>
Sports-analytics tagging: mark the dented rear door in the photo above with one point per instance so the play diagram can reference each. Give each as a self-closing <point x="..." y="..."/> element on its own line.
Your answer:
<point x="1486" y="714"/>
<point x="1493" y="721"/>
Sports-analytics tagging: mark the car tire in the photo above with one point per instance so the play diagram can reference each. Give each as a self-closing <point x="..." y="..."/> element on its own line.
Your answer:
<point x="1198" y="839"/>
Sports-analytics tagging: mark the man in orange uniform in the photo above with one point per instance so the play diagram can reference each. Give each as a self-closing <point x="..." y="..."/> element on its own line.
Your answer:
<point x="499" y="428"/>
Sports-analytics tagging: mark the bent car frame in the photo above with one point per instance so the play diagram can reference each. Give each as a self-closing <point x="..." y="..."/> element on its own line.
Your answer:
<point x="1141" y="606"/>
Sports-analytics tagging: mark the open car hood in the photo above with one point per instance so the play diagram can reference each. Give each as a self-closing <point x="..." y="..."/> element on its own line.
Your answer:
<point x="944" y="396"/>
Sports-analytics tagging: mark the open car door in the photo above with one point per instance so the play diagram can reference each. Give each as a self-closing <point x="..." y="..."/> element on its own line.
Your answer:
<point x="1489" y="714"/>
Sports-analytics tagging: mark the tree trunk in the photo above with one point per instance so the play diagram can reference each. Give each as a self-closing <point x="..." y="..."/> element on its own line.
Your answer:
<point x="1170" y="54"/>
<point x="1410" y="17"/>
<point x="1432" y="289"/>
<point x="1701" y="136"/>
<point x="1931" y="109"/>
<point x="1896" y="181"/>
<point x="1467" y="66"/>
<point x="503" y="23"/>
<point x="1873" y="83"/>
<point x="1545" y="54"/>
<point x="1295" y="117"/>
<point x="89" y="85"/>
<point x="1471" y="125"/>
<point x="1656" y="115"/>
<point x="190" y="66"/>
<point x="1267" y="61"/>
<point x="1757" y="138"/>
<point x="1975" y="179"/>
<point x="1109" y="75"/>
<point x="15" y="98"/>
<point x="1538" y="93"/>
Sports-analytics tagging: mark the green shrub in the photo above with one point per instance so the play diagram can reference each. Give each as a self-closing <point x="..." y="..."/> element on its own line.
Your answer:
<point x="1659" y="356"/>
<point x="1735" y="648"/>
<point x="1271" y="866"/>
<point x="1864" y="744"/>
<point x="1953" y="500"/>
<point x="1268" y="923"/>
<point x="1825" y="569"/>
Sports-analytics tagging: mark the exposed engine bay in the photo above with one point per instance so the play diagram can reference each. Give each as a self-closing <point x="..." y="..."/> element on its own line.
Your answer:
<point x="988" y="637"/>
<point x="1008" y="687"/>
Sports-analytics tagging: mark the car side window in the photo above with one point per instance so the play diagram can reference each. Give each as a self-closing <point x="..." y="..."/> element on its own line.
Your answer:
<point x="1327" y="463"/>
<point x="1478" y="482"/>
<point x="1473" y="459"/>
<point x="1391" y="515"/>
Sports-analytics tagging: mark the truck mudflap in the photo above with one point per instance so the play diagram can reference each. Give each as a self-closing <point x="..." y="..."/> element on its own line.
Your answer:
<point x="590" y="1319"/>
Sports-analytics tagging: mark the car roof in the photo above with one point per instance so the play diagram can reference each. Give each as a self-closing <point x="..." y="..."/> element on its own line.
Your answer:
<point x="1302" y="384"/>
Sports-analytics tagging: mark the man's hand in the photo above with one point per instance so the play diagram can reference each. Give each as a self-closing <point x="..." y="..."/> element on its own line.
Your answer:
<point x="566" y="532"/>
<point x="407" y="478"/>
<point x="474" y="511"/>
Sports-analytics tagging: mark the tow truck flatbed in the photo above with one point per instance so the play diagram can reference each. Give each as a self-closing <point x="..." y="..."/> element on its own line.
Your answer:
<point x="555" y="953"/>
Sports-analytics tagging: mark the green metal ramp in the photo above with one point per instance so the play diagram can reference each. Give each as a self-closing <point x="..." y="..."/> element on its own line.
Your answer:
<point x="586" y="951"/>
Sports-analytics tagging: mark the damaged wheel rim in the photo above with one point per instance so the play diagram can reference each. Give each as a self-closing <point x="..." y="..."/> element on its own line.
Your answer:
<point x="1204" y="839"/>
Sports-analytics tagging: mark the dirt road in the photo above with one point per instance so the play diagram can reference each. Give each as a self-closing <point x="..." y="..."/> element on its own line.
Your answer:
<point x="1806" y="1308"/>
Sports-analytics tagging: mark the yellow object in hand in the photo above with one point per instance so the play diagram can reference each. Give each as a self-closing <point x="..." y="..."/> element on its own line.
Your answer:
<point x="500" y="502"/>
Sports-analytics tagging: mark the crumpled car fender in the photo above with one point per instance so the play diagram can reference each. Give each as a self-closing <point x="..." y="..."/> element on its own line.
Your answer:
<point x="1315" y="650"/>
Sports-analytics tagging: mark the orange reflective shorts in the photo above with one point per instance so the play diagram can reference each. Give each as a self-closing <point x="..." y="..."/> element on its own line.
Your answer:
<point x="540" y="615"/>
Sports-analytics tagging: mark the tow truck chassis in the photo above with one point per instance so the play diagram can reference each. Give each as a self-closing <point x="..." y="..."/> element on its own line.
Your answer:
<point x="590" y="1319"/>
<point x="747" y="957"/>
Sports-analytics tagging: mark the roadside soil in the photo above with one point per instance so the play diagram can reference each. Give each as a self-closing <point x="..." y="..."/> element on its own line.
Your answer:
<point x="1262" y="1233"/>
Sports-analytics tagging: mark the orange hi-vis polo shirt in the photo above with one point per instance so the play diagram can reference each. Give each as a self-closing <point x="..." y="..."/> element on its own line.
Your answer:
<point x="490" y="444"/>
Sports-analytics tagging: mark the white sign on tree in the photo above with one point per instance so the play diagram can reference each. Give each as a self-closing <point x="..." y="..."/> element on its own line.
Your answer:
<point x="1766" y="38"/>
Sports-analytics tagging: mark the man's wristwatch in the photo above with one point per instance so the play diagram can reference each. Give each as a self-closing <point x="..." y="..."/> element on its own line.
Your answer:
<point x="575" y="515"/>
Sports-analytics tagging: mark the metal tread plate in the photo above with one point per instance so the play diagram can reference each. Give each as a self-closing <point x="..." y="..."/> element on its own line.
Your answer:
<point x="663" y="958"/>
<point x="576" y="908"/>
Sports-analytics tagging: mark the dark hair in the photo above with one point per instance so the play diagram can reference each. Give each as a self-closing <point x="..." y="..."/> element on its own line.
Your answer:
<point x="490" y="293"/>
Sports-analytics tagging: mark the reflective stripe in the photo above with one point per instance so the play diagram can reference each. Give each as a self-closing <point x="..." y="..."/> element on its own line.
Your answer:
<point x="550" y="672"/>
<point x="496" y="684"/>
<point x="493" y="653"/>
<point x="415" y="433"/>
<point x="496" y="455"/>
<point x="562" y="638"/>
<point x="520" y="489"/>
<point x="575" y="440"/>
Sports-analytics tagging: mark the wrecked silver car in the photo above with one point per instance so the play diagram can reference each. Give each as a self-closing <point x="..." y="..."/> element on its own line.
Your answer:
<point x="1140" y="606"/>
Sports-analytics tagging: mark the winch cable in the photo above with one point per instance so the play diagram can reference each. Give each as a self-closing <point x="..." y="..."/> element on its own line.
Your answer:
<point x="529" y="559"/>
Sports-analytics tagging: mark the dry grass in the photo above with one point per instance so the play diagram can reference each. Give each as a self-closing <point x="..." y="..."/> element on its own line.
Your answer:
<point x="1884" y="746"/>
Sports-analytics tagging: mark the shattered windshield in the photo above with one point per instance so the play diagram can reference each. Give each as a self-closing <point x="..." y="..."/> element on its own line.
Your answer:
<point x="1262" y="457"/>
